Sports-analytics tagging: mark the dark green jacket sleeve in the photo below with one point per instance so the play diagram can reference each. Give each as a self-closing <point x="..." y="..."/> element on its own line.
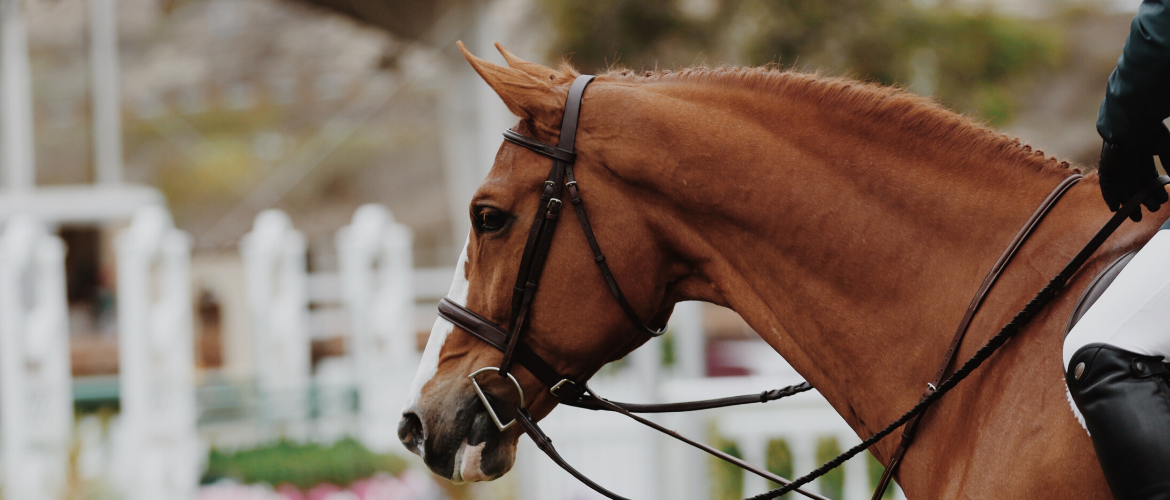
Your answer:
<point x="1138" y="95"/>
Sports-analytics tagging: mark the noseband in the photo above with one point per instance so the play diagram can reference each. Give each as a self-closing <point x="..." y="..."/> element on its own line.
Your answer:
<point x="578" y="394"/>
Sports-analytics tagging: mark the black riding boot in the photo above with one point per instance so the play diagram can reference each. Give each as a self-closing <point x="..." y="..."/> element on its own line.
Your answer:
<point x="1125" y="399"/>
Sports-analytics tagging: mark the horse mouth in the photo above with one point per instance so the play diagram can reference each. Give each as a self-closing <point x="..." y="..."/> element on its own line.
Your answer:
<point x="464" y="447"/>
<point x="468" y="465"/>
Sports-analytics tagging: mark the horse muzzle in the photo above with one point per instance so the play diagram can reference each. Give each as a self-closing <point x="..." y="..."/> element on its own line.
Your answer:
<point x="465" y="445"/>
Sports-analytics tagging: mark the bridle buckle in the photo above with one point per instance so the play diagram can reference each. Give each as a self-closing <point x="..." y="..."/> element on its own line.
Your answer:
<point x="483" y="397"/>
<point x="568" y="385"/>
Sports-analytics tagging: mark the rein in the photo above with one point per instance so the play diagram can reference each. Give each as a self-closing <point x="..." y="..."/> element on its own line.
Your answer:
<point x="1017" y="323"/>
<point x="911" y="428"/>
<point x="578" y="394"/>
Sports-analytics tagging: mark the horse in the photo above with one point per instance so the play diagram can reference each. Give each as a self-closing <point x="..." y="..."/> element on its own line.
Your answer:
<point x="848" y="223"/>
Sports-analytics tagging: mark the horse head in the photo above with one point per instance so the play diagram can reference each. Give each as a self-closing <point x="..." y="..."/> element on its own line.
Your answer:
<point x="574" y="322"/>
<point x="847" y="223"/>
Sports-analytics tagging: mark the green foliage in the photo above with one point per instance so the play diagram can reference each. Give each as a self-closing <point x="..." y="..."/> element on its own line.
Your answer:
<point x="301" y="465"/>
<point x="668" y="347"/>
<point x="970" y="60"/>
<point x="779" y="462"/>
<point x="832" y="484"/>
<point x="875" y="475"/>
<point x="726" y="479"/>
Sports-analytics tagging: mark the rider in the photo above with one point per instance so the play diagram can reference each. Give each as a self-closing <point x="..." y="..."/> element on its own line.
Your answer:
<point x="1114" y="356"/>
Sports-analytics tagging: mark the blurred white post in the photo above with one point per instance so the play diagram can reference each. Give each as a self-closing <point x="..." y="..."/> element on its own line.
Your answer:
<point x="856" y="485"/>
<point x="685" y="477"/>
<point x="16" y="118"/>
<point x="804" y="457"/>
<point x="686" y="326"/>
<point x="275" y="281"/>
<point x="107" y="109"/>
<point x="158" y="448"/>
<point x="645" y="375"/>
<point x="463" y="169"/>
<point x="36" y="398"/>
<point x="376" y="268"/>
<point x="755" y="451"/>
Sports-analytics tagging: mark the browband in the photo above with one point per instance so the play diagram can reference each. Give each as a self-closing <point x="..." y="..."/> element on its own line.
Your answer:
<point x="545" y="149"/>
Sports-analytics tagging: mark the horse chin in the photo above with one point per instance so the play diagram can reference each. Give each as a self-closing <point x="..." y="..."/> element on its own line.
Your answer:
<point x="469" y="465"/>
<point x="486" y="453"/>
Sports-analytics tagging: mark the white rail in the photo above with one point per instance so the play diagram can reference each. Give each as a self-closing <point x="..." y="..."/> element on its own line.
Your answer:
<point x="275" y="279"/>
<point x="158" y="450"/>
<point x="36" y="410"/>
<point x="620" y="453"/>
<point x="383" y="300"/>
<point x="376" y="263"/>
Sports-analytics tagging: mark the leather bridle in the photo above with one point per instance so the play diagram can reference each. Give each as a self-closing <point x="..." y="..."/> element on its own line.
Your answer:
<point x="577" y="392"/>
<point x="567" y="390"/>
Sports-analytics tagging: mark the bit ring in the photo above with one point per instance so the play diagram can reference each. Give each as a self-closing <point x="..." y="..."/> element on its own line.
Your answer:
<point x="483" y="397"/>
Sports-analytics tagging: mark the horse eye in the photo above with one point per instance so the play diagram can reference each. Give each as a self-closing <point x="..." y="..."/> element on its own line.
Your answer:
<point x="490" y="219"/>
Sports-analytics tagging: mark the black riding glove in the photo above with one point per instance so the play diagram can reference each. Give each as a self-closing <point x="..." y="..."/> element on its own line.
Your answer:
<point x="1128" y="168"/>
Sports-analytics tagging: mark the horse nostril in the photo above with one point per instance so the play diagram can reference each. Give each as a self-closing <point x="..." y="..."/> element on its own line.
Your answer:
<point x="410" y="432"/>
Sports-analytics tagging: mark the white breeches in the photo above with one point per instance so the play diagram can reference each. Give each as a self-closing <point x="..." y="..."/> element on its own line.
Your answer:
<point x="1134" y="313"/>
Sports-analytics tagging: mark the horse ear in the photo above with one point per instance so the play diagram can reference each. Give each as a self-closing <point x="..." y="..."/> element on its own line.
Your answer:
<point x="534" y="70"/>
<point x="526" y="96"/>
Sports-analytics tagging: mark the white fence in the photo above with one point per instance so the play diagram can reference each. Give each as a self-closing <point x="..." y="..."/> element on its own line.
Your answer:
<point x="35" y="401"/>
<point x="637" y="462"/>
<point x="275" y="280"/>
<point x="377" y="290"/>
<point x="159" y="449"/>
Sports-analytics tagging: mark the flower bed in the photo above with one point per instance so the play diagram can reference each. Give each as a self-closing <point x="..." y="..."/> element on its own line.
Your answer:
<point x="410" y="485"/>
<point x="345" y="470"/>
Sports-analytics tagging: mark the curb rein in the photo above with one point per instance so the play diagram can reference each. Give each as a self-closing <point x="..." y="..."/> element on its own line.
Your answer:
<point x="578" y="394"/>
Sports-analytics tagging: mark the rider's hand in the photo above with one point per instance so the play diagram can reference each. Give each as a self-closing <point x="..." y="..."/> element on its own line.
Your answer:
<point x="1128" y="168"/>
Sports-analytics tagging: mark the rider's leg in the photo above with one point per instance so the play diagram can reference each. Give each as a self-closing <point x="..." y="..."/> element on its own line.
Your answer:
<point x="1113" y="358"/>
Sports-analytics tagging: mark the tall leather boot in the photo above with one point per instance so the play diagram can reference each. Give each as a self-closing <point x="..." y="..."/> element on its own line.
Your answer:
<point x="1125" y="399"/>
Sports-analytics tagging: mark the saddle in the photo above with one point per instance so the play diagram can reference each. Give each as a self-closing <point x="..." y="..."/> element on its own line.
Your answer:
<point x="1097" y="287"/>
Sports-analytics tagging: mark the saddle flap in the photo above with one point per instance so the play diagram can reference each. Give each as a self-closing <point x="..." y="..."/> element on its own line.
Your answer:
<point x="1097" y="287"/>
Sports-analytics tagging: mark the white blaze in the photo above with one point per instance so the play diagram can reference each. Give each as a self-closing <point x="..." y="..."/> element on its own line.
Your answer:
<point x="430" y="357"/>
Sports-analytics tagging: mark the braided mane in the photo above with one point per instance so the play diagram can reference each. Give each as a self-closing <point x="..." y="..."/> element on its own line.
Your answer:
<point x="929" y="122"/>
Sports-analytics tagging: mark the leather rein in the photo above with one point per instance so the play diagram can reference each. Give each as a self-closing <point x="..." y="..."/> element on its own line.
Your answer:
<point x="578" y="394"/>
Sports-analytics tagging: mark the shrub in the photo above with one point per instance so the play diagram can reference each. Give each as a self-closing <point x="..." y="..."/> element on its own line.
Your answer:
<point x="301" y="465"/>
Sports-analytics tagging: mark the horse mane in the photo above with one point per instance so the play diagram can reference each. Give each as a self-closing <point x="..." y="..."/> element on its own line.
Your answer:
<point x="927" y="121"/>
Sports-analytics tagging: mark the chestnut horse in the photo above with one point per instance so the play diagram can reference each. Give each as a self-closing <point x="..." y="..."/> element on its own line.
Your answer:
<point x="849" y="224"/>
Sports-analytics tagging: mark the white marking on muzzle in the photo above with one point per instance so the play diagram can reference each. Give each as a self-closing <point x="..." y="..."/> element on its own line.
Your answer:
<point x="430" y="357"/>
<point x="467" y="464"/>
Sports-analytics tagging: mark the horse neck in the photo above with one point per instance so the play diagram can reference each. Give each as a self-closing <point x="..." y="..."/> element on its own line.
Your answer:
<point x="852" y="248"/>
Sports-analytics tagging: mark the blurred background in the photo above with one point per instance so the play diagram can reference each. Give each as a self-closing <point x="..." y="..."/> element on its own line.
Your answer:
<point x="226" y="224"/>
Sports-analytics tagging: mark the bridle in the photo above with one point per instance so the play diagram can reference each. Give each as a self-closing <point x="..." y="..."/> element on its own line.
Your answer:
<point x="567" y="390"/>
<point x="577" y="392"/>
